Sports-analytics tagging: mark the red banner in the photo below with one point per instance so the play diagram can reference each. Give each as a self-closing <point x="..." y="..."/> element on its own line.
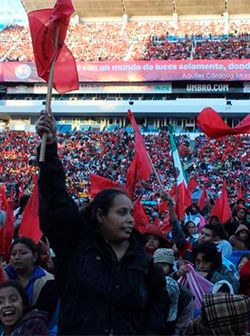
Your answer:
<point x="140" y="71"/>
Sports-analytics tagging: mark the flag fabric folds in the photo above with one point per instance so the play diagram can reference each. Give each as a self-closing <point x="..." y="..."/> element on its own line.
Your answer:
<point x="7" y="230"/>
<point x="221" y="207"/>
<point x="45" y="24"/>
<point x="202" y="200"/>
<point x="140" y="217"/>
<point x="213" y="125"/>
<point x="144" y="167"/>
<point x="99" y="183"/>
<point x="30" y="224"/>
<point x="183" y="199"/>
<point x="192" y="184"/>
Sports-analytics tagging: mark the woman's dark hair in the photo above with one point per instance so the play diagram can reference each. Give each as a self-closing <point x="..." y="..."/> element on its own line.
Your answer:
<point x="211" y="254"/>
<point x="29" y="243"/>
<point x="185" y="229"/>
<point x="213" y="218"/>
<point x="219" y="231"/>
<point x="191" y="207"/>
<point x="11" y="283"/>
<point x="103" y="201"/>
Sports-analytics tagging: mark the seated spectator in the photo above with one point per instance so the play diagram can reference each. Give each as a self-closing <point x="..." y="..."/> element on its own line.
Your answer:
<point x="181" y="307"/>
<point x="220" y="240"/>
<point x="23" y="268"/>
<point x="191" y="231"/>
<point x="16" y="315"/>
<point x="238" y="219"/>
<point x="208" y="262"/>
<point x="155" y="240"/>
<point x="222" y="314"/>
<point x="241" y="239"/>
<point x="215" y="233"/>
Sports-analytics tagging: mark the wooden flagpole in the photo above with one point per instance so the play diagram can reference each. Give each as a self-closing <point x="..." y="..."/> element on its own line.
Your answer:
<point x="48" y="96"/>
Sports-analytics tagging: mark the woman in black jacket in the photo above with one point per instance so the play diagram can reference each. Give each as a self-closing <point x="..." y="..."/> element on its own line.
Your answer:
<point x="107" y="283"/>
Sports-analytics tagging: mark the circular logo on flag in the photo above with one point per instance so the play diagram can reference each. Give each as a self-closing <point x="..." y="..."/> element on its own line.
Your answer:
<point x="23" y="71"/>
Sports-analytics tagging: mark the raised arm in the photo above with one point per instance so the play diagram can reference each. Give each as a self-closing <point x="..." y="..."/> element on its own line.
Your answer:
<point x="59" y="215"/>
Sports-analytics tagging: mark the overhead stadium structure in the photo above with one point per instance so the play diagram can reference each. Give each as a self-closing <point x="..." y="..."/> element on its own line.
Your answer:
<point x="170" y="58"/>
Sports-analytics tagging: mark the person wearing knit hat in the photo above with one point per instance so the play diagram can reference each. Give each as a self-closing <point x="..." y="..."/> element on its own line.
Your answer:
<point x="165" y="257"/>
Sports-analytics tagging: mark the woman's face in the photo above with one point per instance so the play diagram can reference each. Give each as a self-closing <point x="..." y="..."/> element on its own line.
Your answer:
<point x="191" y="228"/>
<point x="22" y="258"/>
<point x="11" y="306"/>
<point x="242" y="262"/>
<point x="241" y="213"/>
<point x="153" y="242"/>
<point x="201" y="264"/>
<point x="117" y="225"/>
<point x="243" y="235"/>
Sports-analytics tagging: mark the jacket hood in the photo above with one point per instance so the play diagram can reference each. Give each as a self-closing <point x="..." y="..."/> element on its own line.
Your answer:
<point x="242" y="227"/>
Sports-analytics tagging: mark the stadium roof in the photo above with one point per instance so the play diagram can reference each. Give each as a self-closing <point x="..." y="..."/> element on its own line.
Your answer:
<point x="113" y="8"/>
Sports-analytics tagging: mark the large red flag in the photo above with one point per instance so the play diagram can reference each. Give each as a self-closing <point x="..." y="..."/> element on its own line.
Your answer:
<point x="213" y="125"/>
<point x="44" y="24"/>
<point x="221" y="207"/>
<point x="7" y="230"/>
<point x="144" y="167"/>
<point x="140" y="217"/>
<point x="30" y="224"/>
<point x="202" y="200"/>
<point x="99" y="183"/>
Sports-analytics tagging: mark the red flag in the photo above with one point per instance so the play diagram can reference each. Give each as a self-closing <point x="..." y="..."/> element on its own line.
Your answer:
<point x="140" y="217"/>
<point x="144" y="168"/>
<point x="213" y="125"/>
<point x="99" y="183"/>
<point x="43" y="26"/>
<point x="132" y="177"/>
<point x="221" y="207"/>
<point x="202" y="200"/>
<point x="7" y="230"/>
<point x="165" y="226"/>
<point x="30" y="224"/>
<point x="183" y="200"/>
<point x="163" y="206"/>
<point x="192" y="183"/>
<point x="3" y="198"/>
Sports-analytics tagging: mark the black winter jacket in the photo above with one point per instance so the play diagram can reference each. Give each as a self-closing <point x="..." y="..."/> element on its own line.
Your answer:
<point x="99" y="294"/>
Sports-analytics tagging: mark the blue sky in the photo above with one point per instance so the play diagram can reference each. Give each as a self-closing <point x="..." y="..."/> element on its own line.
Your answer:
<point x="12" y="11"/>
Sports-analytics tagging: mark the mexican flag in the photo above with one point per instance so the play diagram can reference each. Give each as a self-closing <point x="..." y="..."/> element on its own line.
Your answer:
<point x="182" y="197"/>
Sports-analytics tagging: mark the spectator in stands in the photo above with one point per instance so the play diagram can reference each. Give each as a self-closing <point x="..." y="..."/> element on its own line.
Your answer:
<point x="23" y="268"/>
<point x="155" y="240"/>
<point x="238" y="219"/>
<point x="16" y="315"/>
<point x="241" y="239"/>
<point x="97" y="249"/>
<point x="191" y="232"/>
<point x="208" y="262"/>
<point x="181" y="309"/>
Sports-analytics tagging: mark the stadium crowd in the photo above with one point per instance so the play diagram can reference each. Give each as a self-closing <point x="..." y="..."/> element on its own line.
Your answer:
<point x="82" y="268"/>
<point x="102" y="41"/>
<point x="204" y="263"/>
<point x="109" y="154"/>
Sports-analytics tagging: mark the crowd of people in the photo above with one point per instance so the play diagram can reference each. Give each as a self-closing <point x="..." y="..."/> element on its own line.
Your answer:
<point x="111" y="41"/>
<point x="109" y="154"/>
<point x="189" y="279"/>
